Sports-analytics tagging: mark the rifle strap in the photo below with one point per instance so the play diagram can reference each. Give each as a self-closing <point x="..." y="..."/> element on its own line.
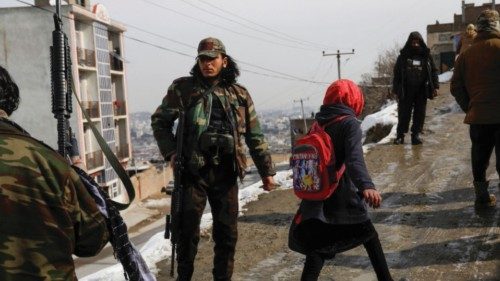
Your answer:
<point x="112" y="159"/>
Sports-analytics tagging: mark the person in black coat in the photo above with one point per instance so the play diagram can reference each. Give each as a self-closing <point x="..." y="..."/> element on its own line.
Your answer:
<point x="415" y="80"/>
<point x="321" y="229"/>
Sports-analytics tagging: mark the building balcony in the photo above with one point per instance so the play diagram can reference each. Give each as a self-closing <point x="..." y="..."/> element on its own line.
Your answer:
<point x="119" y="107"/>
<point x="122" y="151"/>
<point x="94" y="160"/>
<point x="86" y="57"/>
<point x="91" y="108"/>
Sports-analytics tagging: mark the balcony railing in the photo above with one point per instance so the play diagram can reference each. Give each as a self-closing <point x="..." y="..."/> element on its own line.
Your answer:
<point x="94" y="160"/>
<point x="86" y="57"/>
<point x="91" y="108"/>
<point x="119" y="107"/>
<point x="122" y="151"/>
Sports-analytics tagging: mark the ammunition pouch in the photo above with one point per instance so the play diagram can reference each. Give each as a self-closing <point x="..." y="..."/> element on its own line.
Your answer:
<point x="214" y="145"/>
<point x="224" y="143"/>
<point x="196" y="162"/>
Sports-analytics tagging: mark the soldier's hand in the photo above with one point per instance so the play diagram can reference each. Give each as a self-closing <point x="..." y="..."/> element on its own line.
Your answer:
<point x="268" y="183"/>
<point x="372" y="197"/>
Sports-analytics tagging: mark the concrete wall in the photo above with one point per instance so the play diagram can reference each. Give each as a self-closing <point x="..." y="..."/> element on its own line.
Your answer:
<point x="150" y="181"/>
<point x="26" y="36"/>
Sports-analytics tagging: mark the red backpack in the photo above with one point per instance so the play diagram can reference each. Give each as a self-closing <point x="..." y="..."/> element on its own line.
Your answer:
<point x="315" y="176"/>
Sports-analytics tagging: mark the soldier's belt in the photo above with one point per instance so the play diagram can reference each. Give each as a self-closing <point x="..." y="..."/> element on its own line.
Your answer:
<point x="215" y="142"/>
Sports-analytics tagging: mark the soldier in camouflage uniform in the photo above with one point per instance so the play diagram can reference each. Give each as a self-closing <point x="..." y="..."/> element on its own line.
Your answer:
<point x="224" y="113"/>
<point x="46" y="213"/>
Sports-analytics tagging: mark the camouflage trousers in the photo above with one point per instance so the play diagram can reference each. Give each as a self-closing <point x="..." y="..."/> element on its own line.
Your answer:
<point x="219" y="185"/>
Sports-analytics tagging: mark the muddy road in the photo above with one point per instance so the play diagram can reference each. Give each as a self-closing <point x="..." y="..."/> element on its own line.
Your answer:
<point x="427" y="223"/>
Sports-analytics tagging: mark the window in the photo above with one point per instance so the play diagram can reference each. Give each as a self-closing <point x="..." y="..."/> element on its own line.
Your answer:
<point x="114" y="190"/>
<point x="443" y="37"/>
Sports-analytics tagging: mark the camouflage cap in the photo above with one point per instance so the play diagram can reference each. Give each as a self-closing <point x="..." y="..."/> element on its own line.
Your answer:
<point x="211" y="47"/>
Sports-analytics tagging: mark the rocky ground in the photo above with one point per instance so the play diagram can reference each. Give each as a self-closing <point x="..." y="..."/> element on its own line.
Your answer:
<point x="427" y="223"/>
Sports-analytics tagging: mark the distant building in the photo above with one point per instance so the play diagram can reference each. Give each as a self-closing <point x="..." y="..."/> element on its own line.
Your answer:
<point x="96" y="44"/>
<point x="442" y="38"/>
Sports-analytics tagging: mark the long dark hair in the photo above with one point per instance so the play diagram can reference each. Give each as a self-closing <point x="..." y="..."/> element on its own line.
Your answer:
<point x="228" y="75"/>
<point x="9" y="92"/>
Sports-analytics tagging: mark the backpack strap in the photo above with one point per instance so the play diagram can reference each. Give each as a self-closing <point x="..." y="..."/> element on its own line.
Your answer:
<point x="337" y="119"/>
<point x="334" y="120"/>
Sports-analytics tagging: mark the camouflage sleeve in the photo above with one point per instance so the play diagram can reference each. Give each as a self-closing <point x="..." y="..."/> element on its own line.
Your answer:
<point x="162" y="122"/>
<point x="255" y="141"/>
<point x="91" y="233"/>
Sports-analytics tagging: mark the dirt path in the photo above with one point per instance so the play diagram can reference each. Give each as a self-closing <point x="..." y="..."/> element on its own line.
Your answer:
<point x="427" y="223"/>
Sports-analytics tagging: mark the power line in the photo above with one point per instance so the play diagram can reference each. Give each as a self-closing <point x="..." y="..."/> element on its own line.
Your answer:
<point x="246" y="25"/>
<point x="279" y="75"/>
<point x="222" y="27"/>
<point x="284" y="74"/>
<point x="262" y="26"/>
<point x="159" y="35"/>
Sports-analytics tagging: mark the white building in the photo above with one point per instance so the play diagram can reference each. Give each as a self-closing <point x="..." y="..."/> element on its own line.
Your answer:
<point x="96" y="44"/>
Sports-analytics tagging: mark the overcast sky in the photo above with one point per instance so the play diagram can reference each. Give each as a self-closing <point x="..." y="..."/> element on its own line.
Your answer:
<point x="285" y="36"/>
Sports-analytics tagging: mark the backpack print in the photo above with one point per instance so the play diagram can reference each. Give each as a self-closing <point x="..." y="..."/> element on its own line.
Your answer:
<point x="315" y="176"/>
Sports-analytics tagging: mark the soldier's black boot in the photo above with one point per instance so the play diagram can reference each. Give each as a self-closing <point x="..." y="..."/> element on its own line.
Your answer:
<point x="415" y="139"/>
<point x="483" y="198"/>
<point x="400" y="139"/>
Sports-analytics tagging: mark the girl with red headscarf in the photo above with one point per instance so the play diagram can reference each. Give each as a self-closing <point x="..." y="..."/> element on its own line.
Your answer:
<point x="341" y="222"/>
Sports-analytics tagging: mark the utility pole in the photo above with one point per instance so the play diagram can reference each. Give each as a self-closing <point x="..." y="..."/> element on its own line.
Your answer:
<point x="303" y="114"/>
<point x="493" y="5"/>
<point x="463" y="12"/>
<point x="338" y="54"/>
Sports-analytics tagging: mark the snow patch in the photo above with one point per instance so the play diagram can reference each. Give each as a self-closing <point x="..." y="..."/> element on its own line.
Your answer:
<point x="445" y="76"/>
<point x="388" y="115"/>
<point x="156" y="203"/>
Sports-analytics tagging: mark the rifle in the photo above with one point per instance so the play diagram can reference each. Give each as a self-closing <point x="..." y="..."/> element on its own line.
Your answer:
<point x="174" y="218"/>
<point x="134" y="266"/>
<point x="60" y="63"/>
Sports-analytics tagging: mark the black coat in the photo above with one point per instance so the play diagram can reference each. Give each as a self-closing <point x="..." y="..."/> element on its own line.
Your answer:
<point x="346" y="205"/>
<point x="431" y="82"/>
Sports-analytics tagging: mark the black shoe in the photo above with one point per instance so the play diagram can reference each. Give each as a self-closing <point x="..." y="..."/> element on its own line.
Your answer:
<point x="415" y="139"/>
<point x="399" y="140"/>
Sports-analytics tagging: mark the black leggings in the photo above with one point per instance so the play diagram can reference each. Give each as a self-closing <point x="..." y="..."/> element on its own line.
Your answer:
<point x="485" y="138"/>
<point x="315" y="261"/>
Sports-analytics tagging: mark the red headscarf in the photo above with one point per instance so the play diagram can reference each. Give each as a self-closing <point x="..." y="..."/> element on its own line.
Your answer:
<point x="345" y="92"/>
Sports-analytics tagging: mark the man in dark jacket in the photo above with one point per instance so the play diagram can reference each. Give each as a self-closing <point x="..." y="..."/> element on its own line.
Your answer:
<point x="415" y="80"/>
<point x="216" y="108"/>
<point x="476" y="87"/>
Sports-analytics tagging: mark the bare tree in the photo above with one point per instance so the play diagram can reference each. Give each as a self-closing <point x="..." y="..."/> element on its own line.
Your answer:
<point x="377" y="84"/>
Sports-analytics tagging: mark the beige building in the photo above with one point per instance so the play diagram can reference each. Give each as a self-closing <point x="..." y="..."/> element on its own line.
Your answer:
<point x="96" y="46"/>
<point x="442" y="38"/>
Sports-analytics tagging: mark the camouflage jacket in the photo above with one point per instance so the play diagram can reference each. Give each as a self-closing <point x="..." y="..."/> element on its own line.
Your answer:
<point x="46" y="213"/>
<point x="186" y="94"/>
